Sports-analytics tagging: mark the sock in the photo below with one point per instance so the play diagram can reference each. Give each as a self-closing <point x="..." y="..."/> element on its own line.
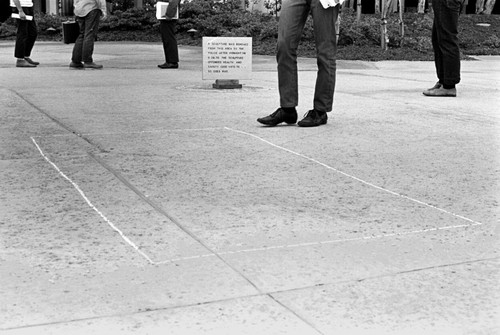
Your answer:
<point x="320" y="113"/>
<point x="289" y="109"/>
<point x="448" y="87"/>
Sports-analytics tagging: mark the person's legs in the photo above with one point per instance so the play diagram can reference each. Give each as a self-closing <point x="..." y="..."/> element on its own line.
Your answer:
<point x="438" y="56"/>
<point x="170" y="49"/>
<point x="446" y="14"/>
<point x="21" y="38"/>
<point x="76" y="57"/>
<point x="90" y="32"/>
<point x="25" y="42"/>
<point x="446" y="48"/>
<point x="324" y="21"/>
<point x="32" y="32"/>
<point x="293" y="16"/>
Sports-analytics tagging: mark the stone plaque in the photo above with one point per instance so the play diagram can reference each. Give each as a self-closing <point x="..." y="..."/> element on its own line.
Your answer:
<point x="227" y="58"/>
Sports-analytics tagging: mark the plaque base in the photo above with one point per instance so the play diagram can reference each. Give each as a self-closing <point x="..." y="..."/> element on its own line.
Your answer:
<point x="226" y="84"/>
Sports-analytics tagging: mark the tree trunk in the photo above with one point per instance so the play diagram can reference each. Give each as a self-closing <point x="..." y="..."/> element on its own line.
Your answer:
<point x="479" y="6"/>
<point x="488" y="8"/>
<point x="358" y="11"/>
<point x="421" y="6"/>
<point x="337" y="28"/>
<point x="464" y="7"/>
<point x="401" y="22"/>
<point x="384" y="38"/>
<point x="393" y="7"/>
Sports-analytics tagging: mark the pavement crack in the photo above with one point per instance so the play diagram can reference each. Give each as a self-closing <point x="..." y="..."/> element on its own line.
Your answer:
<point x="431" y="268"/>
<point x="175" y="221"/>
<point x="61" y="124"/>
<point x="127" y="314"/>
<point x="296" y="314"/>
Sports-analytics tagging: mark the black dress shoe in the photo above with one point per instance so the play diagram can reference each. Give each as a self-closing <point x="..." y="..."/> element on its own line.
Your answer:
<point x="278" y="117"/>
<point x="169" y="66"/>
<point x="313" y="118"/>
<point x="74" y="65"/>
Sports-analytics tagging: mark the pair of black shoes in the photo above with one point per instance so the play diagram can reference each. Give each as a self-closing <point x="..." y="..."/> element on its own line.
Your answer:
<point x="313" y="118"/>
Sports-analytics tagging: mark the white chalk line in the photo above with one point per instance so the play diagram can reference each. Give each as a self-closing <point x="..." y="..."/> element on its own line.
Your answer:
<point x="125" y="238"/>
<point x="356" y="178"/>
<point x="132" y="132"/>
<point x="285" y="246"/>
<point x="318" y="243"/>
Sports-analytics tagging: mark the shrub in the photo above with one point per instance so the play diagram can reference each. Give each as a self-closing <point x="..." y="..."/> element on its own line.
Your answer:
<point x="123" y="5"/>
<point x="211" y="18"/>
<point x="46" y="21"/>
<point x="49" y="25"/>
<point x="7" y="29"/>
<point x="357" y="40"/>
<point x="129" y="20"/>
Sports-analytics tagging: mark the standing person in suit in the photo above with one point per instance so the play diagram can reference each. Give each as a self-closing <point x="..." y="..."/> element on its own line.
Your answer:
<point x="167" y="31"/>
<point x="26" y="32"/>
<point x="294" y="14"/>
<point x="446" y="49"/>
<point x="88" y="14"/>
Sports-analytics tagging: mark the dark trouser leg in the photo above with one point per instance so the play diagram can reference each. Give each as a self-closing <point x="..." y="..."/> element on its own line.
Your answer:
<point x="438" y="55"/>
<point x="32" y="35"/>
<point x="445" y="40"/>
<point x="21" y="37"/>
<point x="326" y="50"/>
<point x="167" y="31"/>
<point x="76" y="57"/>
<point x="293" y="16"/>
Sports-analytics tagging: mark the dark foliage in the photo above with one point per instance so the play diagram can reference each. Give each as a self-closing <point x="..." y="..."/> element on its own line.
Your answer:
<point x="357" y="40"/>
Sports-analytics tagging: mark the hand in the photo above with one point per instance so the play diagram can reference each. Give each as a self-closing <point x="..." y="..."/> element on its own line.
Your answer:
<point x="22" y="16"/>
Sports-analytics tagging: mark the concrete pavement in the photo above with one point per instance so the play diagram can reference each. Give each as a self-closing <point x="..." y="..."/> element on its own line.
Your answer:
<point x="135" y="200"/>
